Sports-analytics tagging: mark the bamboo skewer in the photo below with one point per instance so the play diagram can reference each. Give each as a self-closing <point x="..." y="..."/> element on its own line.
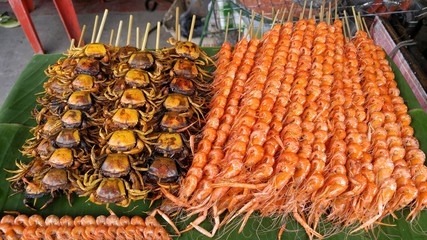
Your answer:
<point x="72" y="44"/>
<point x="283" y="15"/>
<point x="251" y="24"/>
<point x="129" y="30"/>
<point x="95" y="25"/>
<point x="310" y="11"/>
<point x="262" y="23"/>
<point x="158" y="36"/>
<point x="355" y="18"/>
<point x="101" y="27"/>
<point x="346" y="22"/>
<point x="119" y="31"/>
<point x="301" y="16"/>
<point x="240" y="23"/>
<point x="226" y="27"/>
<point x="177" y="30"/>
<point x="193" y="23"/>
<point x="329" y="13"/>
<point x="336" y="10"/>
<point x="275" y="18"/>
<point x="81" y="35"/>
<point x="144" y="41"/>
<point x="366" y="27"/>
<point x="111" y="37"/>
<point x="291" y="11"/>
<point x="137" y="37"/>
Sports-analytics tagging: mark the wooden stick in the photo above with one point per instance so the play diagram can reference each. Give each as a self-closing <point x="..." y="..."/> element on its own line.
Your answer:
<point x="177" y="23"/>
<point x="291" y="12"/>
<point x="111" y="37"/>
<point x="310" y="11"/>
<point x="226" y="27"/>
<point x="137" y="38"/>
<point x="322" y="11"/>
<point x="328" y="21"/>
<point x="346" y="22"/>
<point x="366" y="27"/>
<point x="129" y="30"/>
<point x="251" y="25"/>
<point x="119" y="31"/>
<point x="355" y="18"/>
<point x="158" y="36"/>
<point x="95" y="25"/>
<point x="240" y="23"/>
<point x="101" y="27"/>
<point x="81" y="35"/>
<point x="336" y="10"/>
<point x="72" y="44"/>
<point x="275" y="18"/>
<point x="262" y="23"/>
<point x="344" y="32"/>
<point x="301" y="16"/>
<point x="144" y="41"/>
<point x="283" y="16"/>
<point x="179" y="32"/>
<point x="330" y="13"/>
<point x="259" y="25"/>
<point x="193" y="23"/>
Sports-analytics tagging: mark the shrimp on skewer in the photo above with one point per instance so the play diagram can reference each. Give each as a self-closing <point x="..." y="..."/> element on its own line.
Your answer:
<point x="195" y="172"/>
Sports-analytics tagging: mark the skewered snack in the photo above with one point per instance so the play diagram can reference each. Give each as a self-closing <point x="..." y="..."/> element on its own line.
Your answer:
<point x="115" y="124"/>
<point x="81" y="227"/>
<point x="332" y="145"/>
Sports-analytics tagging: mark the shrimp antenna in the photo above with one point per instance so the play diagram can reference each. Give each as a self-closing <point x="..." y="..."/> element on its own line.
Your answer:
<point x="226" y="27"/>
<point x="81" y="36"/>
<point x="301" y="16"/>
<point x="111" y="37"/>
<point x="101" y="27"/>
<point x="193" y="22"/>
<point x="137" y="37"/>
<point x="355" y="18"/>
<point x="158" y="36"/>
<point x="144" y="42"/>
<point x="275" y="18"/>
<point x="129" y="30"/>
<point x="291" y="12"/>
<point x="119" y="31"/>
<point x="95" y="26"/>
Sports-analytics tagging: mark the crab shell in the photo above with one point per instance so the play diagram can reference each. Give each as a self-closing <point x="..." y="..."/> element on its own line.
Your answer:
<point x="55" y="179"/>
<point x="110" y="190"/>
<point x="88" y="66"/>
<point x="115" y="165"/>
<point x="187" y="49"/>
<point x="163" y="170"/>
<point x="169" y="143"/>
<point x="61" y="158"/>
<point x="142" y="60"/>
<point x="185" y="68"/>
<point x="137" y="78"/>
<point x="182" y="85"/>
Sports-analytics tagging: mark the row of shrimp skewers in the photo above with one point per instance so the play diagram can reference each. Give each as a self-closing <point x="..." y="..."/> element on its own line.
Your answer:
<point x="81" y="227"/>
<point x="306" y="123"/>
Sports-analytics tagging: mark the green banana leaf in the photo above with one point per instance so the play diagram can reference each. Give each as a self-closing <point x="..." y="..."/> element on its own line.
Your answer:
<point x="16" y="121"/>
